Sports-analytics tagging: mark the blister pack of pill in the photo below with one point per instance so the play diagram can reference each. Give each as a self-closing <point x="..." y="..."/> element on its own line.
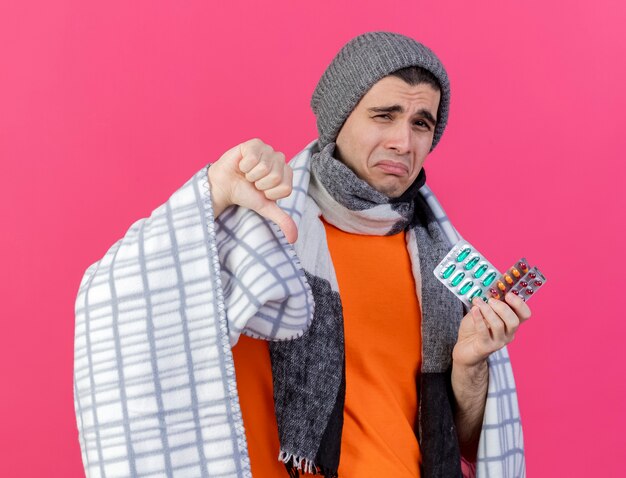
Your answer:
<point x="468" y="274"/>
<point x="509" y="279"/>
<point x="520" y="280"/>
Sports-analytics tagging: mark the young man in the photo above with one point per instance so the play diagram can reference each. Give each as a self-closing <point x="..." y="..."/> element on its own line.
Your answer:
<point x="374" y="368"/>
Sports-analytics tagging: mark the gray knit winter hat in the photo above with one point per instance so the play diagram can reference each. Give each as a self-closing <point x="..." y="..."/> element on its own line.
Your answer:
<point x="362" y="62"/>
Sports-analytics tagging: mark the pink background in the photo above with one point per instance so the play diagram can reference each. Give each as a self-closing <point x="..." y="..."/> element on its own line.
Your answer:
<point x="107" y="108"/>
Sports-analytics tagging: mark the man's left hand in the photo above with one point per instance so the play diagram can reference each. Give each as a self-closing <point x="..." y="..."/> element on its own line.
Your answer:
<point x="488" y="327"/>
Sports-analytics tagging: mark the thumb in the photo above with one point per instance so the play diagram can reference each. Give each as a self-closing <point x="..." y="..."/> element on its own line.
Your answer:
<point x="270" y="210"/>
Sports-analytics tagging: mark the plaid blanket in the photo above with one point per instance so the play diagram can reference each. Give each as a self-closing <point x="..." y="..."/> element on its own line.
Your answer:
<point x="154" y="386"/>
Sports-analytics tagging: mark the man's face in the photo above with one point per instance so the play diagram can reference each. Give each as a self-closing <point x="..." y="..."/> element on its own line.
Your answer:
<point x="388" y="135"/>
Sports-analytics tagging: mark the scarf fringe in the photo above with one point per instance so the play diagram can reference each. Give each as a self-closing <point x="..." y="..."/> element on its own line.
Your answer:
<point x="300" y="463"/>
<point x="296" y="464"/>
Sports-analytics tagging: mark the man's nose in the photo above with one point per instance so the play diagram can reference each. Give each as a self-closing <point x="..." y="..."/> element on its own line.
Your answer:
<point x="399" y="137"/>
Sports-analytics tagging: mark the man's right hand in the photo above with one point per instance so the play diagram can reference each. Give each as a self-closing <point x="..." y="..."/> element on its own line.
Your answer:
<point x="254" y="176"/>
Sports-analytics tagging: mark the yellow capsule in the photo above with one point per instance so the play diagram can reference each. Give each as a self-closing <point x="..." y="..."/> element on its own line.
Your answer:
<point x="515" y="272"/>
<point x="508" y="279"/>
<point x="501" y="286"/>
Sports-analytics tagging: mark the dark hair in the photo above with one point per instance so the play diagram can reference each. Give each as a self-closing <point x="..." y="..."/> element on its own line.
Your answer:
<point x="415" y="75"/>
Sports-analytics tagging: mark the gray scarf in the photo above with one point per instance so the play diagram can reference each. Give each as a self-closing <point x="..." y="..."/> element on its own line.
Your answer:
<point x="309" y="372"/>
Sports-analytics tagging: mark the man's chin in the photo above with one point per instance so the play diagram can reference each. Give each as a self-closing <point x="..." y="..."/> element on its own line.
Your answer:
<point x="390" y="190"/>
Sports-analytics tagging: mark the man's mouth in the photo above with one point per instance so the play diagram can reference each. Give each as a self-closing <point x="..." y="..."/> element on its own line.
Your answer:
<point x="393" y="167"/>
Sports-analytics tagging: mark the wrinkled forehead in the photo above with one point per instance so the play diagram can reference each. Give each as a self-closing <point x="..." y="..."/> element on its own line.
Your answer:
<point x="399" y="96"/>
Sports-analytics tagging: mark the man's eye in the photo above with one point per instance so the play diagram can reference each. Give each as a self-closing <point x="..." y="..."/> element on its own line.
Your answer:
<point x="422" y="124"/>
<point x="385" y="116"/>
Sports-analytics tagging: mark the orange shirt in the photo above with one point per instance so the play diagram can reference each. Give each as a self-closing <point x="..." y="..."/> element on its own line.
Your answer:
<point x="383" y="355"/>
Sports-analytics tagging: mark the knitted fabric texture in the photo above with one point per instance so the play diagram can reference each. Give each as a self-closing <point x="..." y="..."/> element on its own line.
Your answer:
<point x="362" y="62"/>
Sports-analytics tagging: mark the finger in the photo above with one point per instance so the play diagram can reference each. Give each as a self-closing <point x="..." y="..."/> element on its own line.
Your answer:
<point x="506" y="316"/>
<point x="284" y="188"/>
<point x="248" y="162"/>
<point x="495" y="323"/>
<point x="272" y="179"/>
<point x="262" y="169"/>
<point x="251" y="152"/>
<point x="233" y="155"/>
<point x="274" y="213"/>
<point x="281" y="191"/>
<point x="519" y="306"/>
<point x="481" y="325"/>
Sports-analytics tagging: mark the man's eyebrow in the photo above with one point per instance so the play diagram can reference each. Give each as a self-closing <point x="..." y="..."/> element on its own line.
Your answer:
<point x="399" y="109"/>
<point x="386" y="109"/>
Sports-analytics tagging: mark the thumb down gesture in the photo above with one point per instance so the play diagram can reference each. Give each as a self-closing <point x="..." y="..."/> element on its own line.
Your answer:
<point x="254" y="176"/>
